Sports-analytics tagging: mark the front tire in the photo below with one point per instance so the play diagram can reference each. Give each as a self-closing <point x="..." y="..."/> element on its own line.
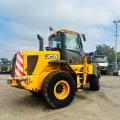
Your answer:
<point x="59" y="89"/>
<point x="94" y="83"/>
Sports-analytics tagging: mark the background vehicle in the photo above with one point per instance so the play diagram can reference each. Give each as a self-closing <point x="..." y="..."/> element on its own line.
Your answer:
<point x="102" y="62"/>
<point x="113" y="68"/>
<point x="5" y="65"/>
<point x="58" y="71"/>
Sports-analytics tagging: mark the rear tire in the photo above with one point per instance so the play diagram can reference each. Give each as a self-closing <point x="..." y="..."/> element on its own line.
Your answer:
<point x="59" y="89"/>
<point x="94" y="83"/>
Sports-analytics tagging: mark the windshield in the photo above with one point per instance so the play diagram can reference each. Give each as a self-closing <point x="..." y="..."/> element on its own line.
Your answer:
<point x="5" y="62"/>
<point x="71" y="42"/>
<point x="101" y="59"/>
<point x="55" y="42"/>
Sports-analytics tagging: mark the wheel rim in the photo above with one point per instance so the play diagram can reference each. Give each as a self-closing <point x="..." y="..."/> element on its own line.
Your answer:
<point x="61" y="90"/>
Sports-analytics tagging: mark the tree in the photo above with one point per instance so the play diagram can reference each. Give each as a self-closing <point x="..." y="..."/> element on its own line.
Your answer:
<point x="106" y="50"/>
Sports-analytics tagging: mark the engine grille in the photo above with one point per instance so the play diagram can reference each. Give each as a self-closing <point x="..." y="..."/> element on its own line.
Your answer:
<point x="4" y="68"/>
<point x="31" y="63"/>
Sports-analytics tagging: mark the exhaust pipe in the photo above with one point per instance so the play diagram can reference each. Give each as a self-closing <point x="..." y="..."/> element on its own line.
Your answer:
<point x="40" y="42"/>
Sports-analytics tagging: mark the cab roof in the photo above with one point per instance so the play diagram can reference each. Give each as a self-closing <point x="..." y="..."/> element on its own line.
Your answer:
<point x="65" y="31"/>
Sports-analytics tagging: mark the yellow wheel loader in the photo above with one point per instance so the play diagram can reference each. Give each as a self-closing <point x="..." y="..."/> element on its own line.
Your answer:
<point x="58" y="71"/>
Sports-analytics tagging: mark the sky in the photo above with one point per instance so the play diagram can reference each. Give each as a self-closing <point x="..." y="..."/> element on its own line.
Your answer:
<point x="22" y="20"/>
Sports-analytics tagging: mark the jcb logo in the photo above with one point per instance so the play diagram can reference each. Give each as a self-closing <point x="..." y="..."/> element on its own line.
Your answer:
<point x="51" y="56"/>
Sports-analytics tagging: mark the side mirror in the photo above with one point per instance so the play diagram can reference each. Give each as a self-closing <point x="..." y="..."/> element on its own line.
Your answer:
<point x="79" y="42"/>
<point x="83" y="37"/>
<point x="40" y="42"/>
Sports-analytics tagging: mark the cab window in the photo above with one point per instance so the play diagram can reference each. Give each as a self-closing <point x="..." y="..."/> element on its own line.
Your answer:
<point x="55" y="42"/>
<point x="71" y="42"/>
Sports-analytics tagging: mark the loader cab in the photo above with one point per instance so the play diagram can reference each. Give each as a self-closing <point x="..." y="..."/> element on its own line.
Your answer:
<point x="69" y="44"/>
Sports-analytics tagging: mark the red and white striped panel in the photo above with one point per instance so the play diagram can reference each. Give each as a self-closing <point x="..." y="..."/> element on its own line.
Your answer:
<point x="19" y="64"/>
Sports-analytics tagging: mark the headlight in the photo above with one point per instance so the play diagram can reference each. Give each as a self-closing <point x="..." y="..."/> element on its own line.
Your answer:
<point x="51" y="56"/>
<point x="8" y="68"/>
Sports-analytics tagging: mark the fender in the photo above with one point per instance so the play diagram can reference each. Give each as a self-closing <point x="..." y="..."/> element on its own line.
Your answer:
<point x="65" y="67"/>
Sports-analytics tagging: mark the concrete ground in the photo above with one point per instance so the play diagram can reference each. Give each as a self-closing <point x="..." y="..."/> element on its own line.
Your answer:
<point x="17" y="104"/>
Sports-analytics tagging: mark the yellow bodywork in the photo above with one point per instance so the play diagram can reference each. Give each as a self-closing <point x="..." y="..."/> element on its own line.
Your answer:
<point x="43" y="68"/>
